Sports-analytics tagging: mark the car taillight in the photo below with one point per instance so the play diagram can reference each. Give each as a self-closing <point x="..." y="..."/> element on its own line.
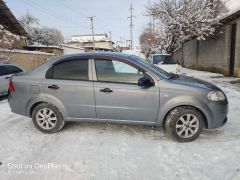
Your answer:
<point x="11" y="86"/>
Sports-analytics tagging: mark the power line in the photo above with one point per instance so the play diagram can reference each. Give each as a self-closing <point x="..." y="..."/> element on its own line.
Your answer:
<point x="92" y="27"/>
<point x="131" y="24"/>
<point x="50" y="13"/>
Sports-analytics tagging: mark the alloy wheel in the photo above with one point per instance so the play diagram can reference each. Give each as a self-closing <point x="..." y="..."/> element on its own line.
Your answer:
<point x="187" y="125"/>
<point x="46" y="118"/>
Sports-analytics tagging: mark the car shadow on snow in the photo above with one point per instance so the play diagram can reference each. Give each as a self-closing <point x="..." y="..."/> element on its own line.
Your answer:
<point x="147" y="132"/>
<point x="115" y="130"/>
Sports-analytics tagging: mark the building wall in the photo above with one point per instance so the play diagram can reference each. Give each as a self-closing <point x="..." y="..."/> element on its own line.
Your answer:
<point x="190" y="53"/>
<point x="28" y="61"/>
<point x="237" y="57"/>
<point x="212" y="54"/>
<point x="69" y="50"/>
<point x="105" y="45"/>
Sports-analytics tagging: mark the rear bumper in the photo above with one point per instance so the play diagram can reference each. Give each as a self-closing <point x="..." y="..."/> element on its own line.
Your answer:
<point x="3" y="93"/>
<point x="16" y="104"/>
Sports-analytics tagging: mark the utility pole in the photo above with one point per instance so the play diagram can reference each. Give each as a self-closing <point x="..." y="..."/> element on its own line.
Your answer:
<point x="151" y="23"/>
<point x="92" y="27"/>
<point x="110" y="35"/>
<point x="131" y="25"/>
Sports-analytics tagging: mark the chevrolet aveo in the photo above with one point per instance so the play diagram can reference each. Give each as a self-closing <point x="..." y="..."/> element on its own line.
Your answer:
<point x="116" y="88"/>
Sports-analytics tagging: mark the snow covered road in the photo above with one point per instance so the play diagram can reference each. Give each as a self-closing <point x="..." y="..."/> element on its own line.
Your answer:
<point x="102" y="151"/>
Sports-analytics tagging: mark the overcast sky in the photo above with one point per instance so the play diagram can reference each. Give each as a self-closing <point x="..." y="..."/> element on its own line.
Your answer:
<point x="70" y="15"/>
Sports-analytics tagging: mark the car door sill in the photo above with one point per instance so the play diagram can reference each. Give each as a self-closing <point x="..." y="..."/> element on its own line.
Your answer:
<point x="112" y="121"/>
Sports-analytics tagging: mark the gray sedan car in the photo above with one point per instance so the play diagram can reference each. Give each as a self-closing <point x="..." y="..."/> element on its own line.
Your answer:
<point x="116" y="88"/>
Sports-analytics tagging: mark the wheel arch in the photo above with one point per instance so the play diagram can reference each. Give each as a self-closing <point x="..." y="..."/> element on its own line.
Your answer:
<point x="184" y="101"/>
<point x="32" y="103"/>
<point x="205" y="121"/>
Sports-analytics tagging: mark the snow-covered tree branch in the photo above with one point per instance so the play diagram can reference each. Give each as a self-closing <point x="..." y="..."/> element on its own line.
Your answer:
<point x="183" y="20"/>
<point x="40" y="35"/>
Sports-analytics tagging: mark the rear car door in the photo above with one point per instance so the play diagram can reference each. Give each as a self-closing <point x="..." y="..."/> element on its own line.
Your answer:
<point x="118" y="96"/>
<point x="68" y="81"/>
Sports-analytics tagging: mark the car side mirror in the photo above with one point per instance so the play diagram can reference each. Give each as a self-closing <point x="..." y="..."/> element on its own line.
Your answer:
<point x="144" y="81"/>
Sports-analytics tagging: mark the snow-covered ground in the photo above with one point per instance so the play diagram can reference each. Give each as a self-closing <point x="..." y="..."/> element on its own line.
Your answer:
<point x="85" y="151"/>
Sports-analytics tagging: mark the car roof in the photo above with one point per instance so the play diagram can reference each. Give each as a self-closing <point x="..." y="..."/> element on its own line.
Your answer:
<point x="91" y="54"/>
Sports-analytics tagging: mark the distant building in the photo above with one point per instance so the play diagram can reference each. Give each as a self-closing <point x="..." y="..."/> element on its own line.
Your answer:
<point x="12" y="34"/>
<point x="123" y="45"/>
<point x="67" y="49"/>
<point x="102" y="42"/>
<point x="220" y="53"/>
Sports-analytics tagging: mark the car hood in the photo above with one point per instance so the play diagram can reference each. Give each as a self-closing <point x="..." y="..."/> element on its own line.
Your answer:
<point x="194" y="82"/>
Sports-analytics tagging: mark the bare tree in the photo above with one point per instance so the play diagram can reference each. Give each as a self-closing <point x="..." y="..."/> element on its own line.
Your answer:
<point x="183" y="20"/>
<point x="47" y="36"/>
<point x="28" y="22"/>
<point x="150" y="41"/>
<point x="40" y="35"/>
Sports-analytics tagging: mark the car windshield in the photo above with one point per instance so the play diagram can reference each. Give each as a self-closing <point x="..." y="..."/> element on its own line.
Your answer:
<point x="152" y="67"/>
<point x="165" y="59"/>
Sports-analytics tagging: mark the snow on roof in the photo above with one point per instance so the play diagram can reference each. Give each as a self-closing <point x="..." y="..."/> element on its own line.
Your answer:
<point x="43" y="46"/>
<point x="232" y="6"/>
<point x="88" y="38"/>
<point x="25" y="51"/>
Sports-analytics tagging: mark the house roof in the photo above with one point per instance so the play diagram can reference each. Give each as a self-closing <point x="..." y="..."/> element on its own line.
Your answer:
<point x="88" y="38"/>
<point x="232" y="6"/>
<point x="232" y="10"/>
<point x="9" y="21"/>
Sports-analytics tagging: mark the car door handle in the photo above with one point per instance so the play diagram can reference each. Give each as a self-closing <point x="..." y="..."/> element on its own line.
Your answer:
<point x="54" y="86"/>
<point x="106" y="90"/>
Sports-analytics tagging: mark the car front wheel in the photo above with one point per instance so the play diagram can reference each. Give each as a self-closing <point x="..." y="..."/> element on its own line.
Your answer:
<point x="47" y="118"/>
<point x="184" y="124"/>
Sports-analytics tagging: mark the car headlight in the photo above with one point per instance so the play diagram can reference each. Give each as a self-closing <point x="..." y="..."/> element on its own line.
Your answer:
<point x="216" y="95"/>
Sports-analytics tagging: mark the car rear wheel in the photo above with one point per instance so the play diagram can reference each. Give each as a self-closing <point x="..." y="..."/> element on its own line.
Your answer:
<point x="184" y="124"/>
<point x="47" y="118"/>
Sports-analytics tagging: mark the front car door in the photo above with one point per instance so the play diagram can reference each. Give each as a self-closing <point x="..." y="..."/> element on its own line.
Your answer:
<point x="69" y="82"/>
<point x="118" y="96"/>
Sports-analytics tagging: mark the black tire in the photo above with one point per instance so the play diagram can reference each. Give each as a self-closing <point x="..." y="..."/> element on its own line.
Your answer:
<point x="59" y="123"/>
<point x="174" y="118"/>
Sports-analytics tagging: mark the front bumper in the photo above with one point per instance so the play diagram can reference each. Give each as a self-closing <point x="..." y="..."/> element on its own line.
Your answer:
<point x="219" y="112"/>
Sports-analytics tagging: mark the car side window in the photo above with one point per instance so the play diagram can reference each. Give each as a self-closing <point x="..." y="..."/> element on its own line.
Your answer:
<point x="3" y="71"/>
<point x="69" y="70"/>
<point x="116" y="71"/>
<point x="8" y="69"/>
